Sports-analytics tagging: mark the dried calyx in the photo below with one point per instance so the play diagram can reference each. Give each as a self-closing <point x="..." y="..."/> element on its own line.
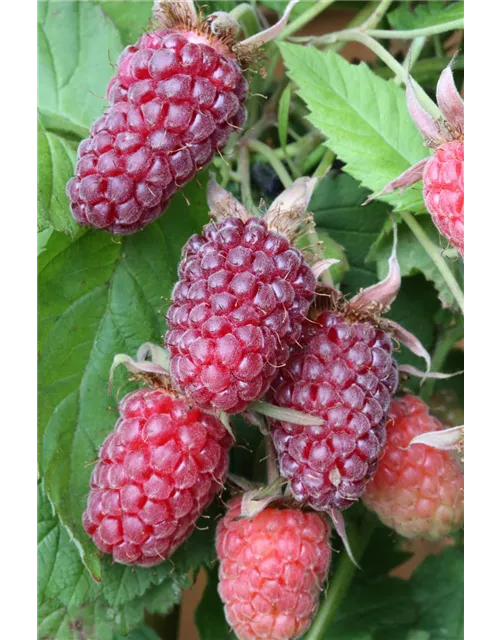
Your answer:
<point x="287" y="214"/>
<point x="445" y="439"/>
<point x="370" y="304"/>
<point x="219" y="28"/>
<point x="150" y="367"/>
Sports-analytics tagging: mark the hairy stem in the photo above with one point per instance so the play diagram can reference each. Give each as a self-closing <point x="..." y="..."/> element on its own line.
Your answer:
<point x="412" y="56"/>
<point x="247" y="18"/>
<point x="453" y="25"/>
<point x="325" y="164"/>
<point x="435" y="254"/>
<point x="377" y="15"/>
<point x="443" y="346"/>
<point x="244" y="171"/>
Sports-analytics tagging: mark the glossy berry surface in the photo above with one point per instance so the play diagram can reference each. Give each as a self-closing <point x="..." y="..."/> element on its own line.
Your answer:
<point x="160" y="467"/>
<point x="344" y="373"/>
<point x="242" y="295"/>
<point x="271" y="570"/>
<point x="417" y="491"/>
<point x="444" y="191"/>
<point x="174" y="102"/>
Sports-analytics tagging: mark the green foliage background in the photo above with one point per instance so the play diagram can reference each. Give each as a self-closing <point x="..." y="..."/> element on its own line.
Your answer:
<point x="100" y="295"/>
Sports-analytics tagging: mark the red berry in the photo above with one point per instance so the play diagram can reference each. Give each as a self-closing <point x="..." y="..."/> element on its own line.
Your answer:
<point x="271" y="570"/>
<point x="157" y="471"/>
<point x="344" y="373"/>
<point x="242" y="295"/>
<point x="417" y="490"/>
<point x="174" y="101"/>
<point x="444" y="191"/>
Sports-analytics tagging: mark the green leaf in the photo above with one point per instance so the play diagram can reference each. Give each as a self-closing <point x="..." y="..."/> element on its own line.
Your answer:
<point x="425" y="14"/>
<point x="363" y="117"/>
<point x="383" y="553"/>
<point x="143" y="633"/>
<point x="42" y="237"/>
<point x="437" y="588"/>
<point x="56" y="160"/>
<point x="63" y="582"/>
<point x="131" y="18"/>
<point x="98" y="297"/>
<point x="283" y="111"/>
<point x="374" y="610"/>
<point x="337" y="206"/>
<point x="209" y="616"/>
<point x="89" y="621"/>
<point x="75" y="62"/>
<point x="413" y="258"/>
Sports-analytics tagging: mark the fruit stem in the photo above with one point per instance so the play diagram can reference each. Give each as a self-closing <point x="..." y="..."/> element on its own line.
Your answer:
<point x="247" y="18"/>
<point x="244" y="171"/>
<point x="325" y="164"/>
<point x="409" y="34"/>
<point x="271" y="461"/>
<point x="344" y="573"/>
<point x="412" y="56"/>
<point x="444" y="344"/>
<point x="438" y="47"/>
<point x="376" y="16"/>
<point x="272" y="158"/>
<point x="435" y="254"/>
<point x="305" y="17"/>
<point x="425" y="66"/>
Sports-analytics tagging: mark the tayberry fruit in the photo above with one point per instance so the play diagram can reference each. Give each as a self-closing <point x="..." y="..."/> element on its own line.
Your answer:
<point x="157" y="471"/>
<point x="238" y="307"/>
<point x="177" y="95"/>
<point x="417" y="490"/>
<point x="271" y="570"/>
<point x="442" y="173"/>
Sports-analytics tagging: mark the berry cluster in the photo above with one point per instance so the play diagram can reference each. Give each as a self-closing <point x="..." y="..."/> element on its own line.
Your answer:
<point x="248" y="321"/>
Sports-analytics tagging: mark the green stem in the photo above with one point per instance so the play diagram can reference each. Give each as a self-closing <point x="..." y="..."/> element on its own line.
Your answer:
<point x="247" y="18"/>
<point x="443" y="347"/>
<point x="365" y="17"/>
<point x="412" y="56"/>
<point x="438" y="47"/>
<point x="393" y="64"/>
<point x="435" y="254"/>
<point x="270" y="155"/>
<point x="344" y="573"/>
<point x="244" y="171"/>
<point x="429" y="65"/>
<point x="410" y="34"/>
<point x="377" y="15"/>
<point x="305" y="17"/>
<point x="313" y="159"/>
<point x="325" y="164"/>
